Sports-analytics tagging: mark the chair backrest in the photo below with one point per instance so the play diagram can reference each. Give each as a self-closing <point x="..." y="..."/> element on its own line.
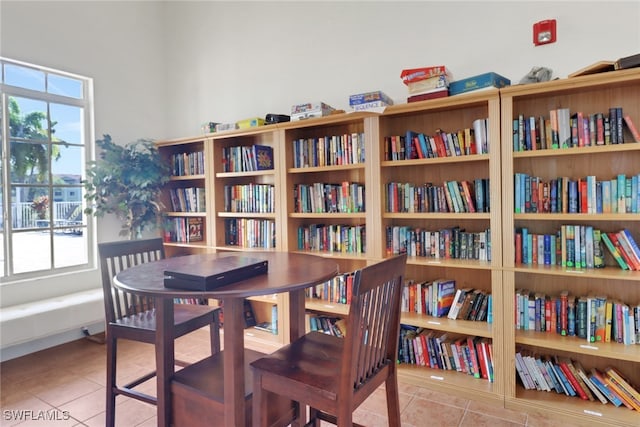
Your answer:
<point x="116" y="257"/>
<point x="373" y="324"/>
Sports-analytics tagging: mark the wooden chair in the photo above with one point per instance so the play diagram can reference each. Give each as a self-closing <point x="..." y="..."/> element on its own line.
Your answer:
<point x="331" y="375"/>
<point x="133" y="317"/>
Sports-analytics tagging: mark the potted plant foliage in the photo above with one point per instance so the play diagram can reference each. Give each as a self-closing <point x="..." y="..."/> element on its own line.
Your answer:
<point x="126" y="181"/>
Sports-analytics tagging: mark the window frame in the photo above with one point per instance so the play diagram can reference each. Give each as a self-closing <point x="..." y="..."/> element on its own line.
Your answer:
<point x="86" y="103"/>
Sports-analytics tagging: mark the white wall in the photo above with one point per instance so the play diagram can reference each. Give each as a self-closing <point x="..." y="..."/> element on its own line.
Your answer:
<point x="161" y="69"/>
<point x="121" y="46"/>
<point x="229" y="61"/>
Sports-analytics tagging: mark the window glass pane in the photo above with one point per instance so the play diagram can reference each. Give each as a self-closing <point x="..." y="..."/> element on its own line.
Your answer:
<point x="67" y="163"/>
<point x="66" y="123"/>
<point x="70" y="248"/>
<point x="30" y="207"/>
<point x="28" y="119"/>
<point x="29" y="163"/>
<point x="28" y="78"/>
<point x="65" y="86"/>
<point x="67" y="205"/>
<point x="31" y="251"/>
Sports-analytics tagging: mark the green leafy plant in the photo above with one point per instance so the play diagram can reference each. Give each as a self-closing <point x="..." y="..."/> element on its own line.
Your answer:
<point x="126" y="181"/>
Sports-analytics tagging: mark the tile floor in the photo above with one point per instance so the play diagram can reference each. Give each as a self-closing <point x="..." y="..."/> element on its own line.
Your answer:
<point x="64" y="386"/>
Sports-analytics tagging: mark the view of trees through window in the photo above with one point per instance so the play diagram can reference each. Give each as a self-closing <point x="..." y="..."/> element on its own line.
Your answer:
<point x="45" y="119"/>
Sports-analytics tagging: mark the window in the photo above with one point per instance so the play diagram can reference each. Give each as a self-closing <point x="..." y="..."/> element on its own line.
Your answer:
<point x="46" y="141"/>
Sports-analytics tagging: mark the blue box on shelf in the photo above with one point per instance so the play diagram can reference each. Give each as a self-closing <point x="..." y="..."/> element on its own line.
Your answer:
<point x="478" y="82"/>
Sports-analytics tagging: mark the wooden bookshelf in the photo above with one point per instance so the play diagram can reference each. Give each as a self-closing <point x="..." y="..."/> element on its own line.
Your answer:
<point x="588" y="94"/>
<point x="449" y="115"/>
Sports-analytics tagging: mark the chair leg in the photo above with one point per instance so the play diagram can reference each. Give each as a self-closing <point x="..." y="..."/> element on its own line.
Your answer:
<point x="258" y="402"/>
<point x="393" y="401"/>
<point x="214" y="334"/>
<point x="112" y="349"/>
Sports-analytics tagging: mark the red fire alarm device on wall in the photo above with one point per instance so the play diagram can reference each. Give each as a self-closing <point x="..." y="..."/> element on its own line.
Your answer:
<point x="544" y="32"/>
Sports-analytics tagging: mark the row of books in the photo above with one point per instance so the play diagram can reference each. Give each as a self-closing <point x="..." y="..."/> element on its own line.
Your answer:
<point x="249" y="198"/>
<point x="184" y="230"/>
<point x="452" y="196"/>
<point x="183" y="164"/>
<point x="247" y="158"/>
<point x="250" y="233"/>
<point x="332" y="238"/>
<point x="329" y="325"/>
<point x="417" y="145"/>
<point x="440" y="298"/>
<point x="593" y="318"/>
<point x="568" y="377"/>
<point x="472" y="304"/>
<point x="433" y="298"/>
<point x="335" y="290"/>
<point x="345" y="197"/>
<point x="189" y="199"/>
<point x="583" y="195"/>
<point x="576" y="246"/>
<point x="438" y="350"/>
<point x="334" y="150"/>
<point x="563" y="129"/>
<point x="446" y="243"/>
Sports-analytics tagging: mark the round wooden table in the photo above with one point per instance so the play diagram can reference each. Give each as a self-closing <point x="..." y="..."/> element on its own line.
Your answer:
<point x="287" y="272"/>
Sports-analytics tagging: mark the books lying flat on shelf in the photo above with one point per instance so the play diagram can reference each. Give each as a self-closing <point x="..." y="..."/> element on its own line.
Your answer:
<point x="481" y="81"/>
<point x="205" y="276"/>
<point x="310" y="110"/>
<point x="367" y="97"/>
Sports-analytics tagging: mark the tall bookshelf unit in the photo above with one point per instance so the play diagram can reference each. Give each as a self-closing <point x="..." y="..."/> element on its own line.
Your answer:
<point x="448" y="115"/>
<point x="184" y="154"/>
<point x="330" y="151"/>
<point x="500" y="276"/>
<point x="590" y="95"/>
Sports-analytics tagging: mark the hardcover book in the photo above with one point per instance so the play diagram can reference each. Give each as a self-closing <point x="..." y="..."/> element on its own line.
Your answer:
<point x="195" y="230"/>
<point x="263" y="157"/>
<point x="214" y="274"/>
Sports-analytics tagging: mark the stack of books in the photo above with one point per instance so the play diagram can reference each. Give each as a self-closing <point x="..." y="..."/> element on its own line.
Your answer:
<point x="426" y="82"/>
<point x="369" y="101"/>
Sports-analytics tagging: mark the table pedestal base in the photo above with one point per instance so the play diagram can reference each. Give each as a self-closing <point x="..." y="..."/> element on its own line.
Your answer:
<point x="197" y="394"/>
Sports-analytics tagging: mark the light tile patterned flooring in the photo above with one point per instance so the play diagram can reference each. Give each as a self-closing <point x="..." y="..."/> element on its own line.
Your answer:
<point x="65" y="386"/>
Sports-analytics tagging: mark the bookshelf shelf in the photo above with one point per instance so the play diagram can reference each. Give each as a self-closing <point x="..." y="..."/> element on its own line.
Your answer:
<point x="577" y="217"/>
<point x="607" y="273"/>
<point x="316" y="169"/>
<point x="576" y="345"/>
<point x="463" y="327"/>
<point x="423" y="162"/>
<point x="454" y="263"/>
<point x="246" y="215"/>
<point x="244" y="174"/>
<point x="436" y="215"/>
<point x="187" y="177"/>
<point x="590" y="413"/>
<point x="453" y="383"/>
<point x="187" y="214"/>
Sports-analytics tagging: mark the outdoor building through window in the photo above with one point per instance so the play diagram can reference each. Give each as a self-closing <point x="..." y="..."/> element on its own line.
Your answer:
<point x="46" y="140"/>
